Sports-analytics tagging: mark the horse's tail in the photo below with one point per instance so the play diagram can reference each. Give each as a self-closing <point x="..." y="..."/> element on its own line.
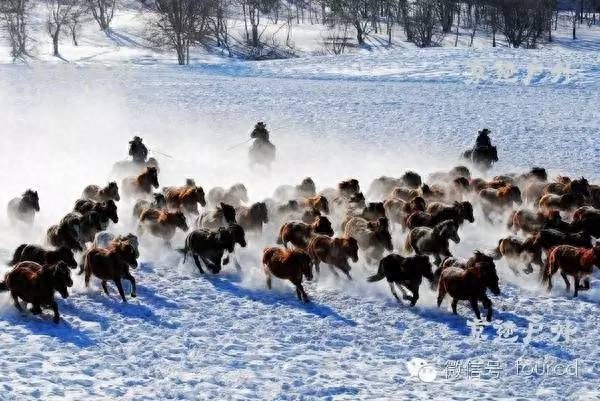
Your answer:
<point x="496" y="254"/>
<point x="380" y="275"/>
<point x="186" y="248"/>
<point x="550" y="268"/>
<point x="16" y="255"/>
<point x="408" y="248"/>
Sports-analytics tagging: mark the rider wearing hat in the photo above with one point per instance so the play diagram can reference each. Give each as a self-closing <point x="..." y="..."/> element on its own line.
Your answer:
<point x="260" y="132"/>
<point x="483" y="139"/>
<point x="138" y="150"/>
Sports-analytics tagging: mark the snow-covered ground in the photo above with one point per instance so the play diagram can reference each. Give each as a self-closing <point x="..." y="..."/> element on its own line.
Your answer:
<point x="188" y="336"/>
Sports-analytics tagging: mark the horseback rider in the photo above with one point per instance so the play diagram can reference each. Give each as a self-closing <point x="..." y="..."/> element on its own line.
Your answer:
<point x="262" y="150"/>
<point x="260" y="132"/>
<point x="138" y="150"/>
<point x="483" y="139"/>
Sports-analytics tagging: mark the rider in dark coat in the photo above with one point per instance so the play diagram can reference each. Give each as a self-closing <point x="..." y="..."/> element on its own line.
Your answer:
<point x="138" y="150"/>
<point x="483" y="139"/>
<point x="262" y="150"/>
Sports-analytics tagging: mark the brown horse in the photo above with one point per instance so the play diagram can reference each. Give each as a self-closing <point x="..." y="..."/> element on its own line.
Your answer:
<point x="317" y="202"/>
<point x="565" y="185"/>
<point x="438" y="212"/>
<point x="107" y="210"/>
<point x="299" y="233"/>
<point x="515" y="250"/>
<point x="405" y="193"/>
<point x="65" y="234"/>
<point x="236" y="195"/>
<point x="36" y="284"/>
<point x="499" y="199"/>
<point x="397" y="210"/>
<point x="433" y="241"/>
<point x="305" y="189"/>
<point x="587" y="219"/>
<point x="373" y="237"/>
<point x="159" y="202"/>
<point x="288" y="264"/>
<point x="142" y="184"/>
<point x="252" y="218"/>
<point x="531" y="222"/>
<point x="185" y="198"/>
<point x="572" y="261"/>
<point x="469" y="283"/>
<point x="567" y="201"/>
<point x="401" y="271"/>
<point x="35" y="253"/>
<point x="24" y="207"/>
<point x="111" y="263"/>
<point x="223" y="215"/>
<point x="99" y="194"/>
<point x="163" y="224"/>
<point x="372" y="211"/>
<point x="333" y="251"/>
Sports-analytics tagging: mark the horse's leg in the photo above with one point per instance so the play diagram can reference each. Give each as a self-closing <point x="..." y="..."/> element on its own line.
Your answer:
<point x="54" y="307"/>
<point x="16" y="299"/>
<point x="475" y="307"/>
<point x="454" y="306"/>
<point x="129" y="277"/>
<point x="36" y="309"/>
<point x="566" y="278"/>
<point x="586" y="284"/>
<point x="117" y="281"/>
<point x="415" y="296"/>
<point x="197" y="262"/>
<point x="317" y="267"/>
<point x="269" y="280"/>
<point x="334" y="270"/>
<point x="88" y="274"/>
<point x="404" y="293"/>
<point x="300" y="291"/>
<point x="576" y="284"/>
<point x="104" y="287"/>
<point x="487" y="303"/>
<point x="528" y="269"/>
<point x="391" y="283"/>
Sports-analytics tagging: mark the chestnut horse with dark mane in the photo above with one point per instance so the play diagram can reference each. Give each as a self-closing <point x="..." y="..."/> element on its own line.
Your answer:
<point x="469" y="282"/>
<point x="571" y="261"/>
<point x="36" y="284"/>
<point x="288" y="264"/>
<point x="142" y="184"/>
<point x="185" y="198"/>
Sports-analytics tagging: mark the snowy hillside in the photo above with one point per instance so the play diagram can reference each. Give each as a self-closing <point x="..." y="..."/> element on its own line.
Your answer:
<point x="188" y="336"/>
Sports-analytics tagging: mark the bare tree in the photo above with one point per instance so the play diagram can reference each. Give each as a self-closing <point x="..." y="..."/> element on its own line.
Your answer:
<point x="424" y="23"/>
<point x="73" y="21"/>
<point x="103" y="11"/>
<point x="182" y="23"/>
<point x="13" y="14"/>
<point x="255" y="8"/>
<point x="59" y="13"/>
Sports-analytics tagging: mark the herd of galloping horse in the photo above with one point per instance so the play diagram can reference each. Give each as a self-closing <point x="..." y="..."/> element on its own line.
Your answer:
<point x="553" y="224"/>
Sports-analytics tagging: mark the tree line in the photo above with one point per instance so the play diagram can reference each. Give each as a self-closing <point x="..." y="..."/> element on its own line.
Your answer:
<point x="181" y="24"/>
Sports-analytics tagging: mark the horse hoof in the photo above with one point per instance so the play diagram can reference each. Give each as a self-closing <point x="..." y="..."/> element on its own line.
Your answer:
<point x="133" y="295"/>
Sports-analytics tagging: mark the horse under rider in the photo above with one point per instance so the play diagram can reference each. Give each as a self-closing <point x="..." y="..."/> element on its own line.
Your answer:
<point x="138" y="150"/>
<point x="483" y="139"/>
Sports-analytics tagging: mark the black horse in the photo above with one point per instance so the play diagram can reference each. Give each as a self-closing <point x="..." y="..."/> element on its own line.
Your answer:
<point x="482" y="157"/>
